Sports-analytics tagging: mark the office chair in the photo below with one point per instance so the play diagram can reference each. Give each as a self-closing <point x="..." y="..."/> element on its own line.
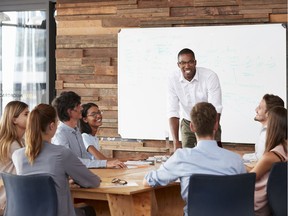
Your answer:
<point x="221" y="195"/>
<point x="277" y="189"/>
<point x="33" y="195"/>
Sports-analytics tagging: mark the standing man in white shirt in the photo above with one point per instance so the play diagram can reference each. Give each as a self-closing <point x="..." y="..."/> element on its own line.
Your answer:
<point x="187" y="87"/>
<point x="262" y="110"/>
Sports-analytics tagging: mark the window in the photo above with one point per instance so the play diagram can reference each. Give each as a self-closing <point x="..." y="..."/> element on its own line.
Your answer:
<point x="27" y="65"/>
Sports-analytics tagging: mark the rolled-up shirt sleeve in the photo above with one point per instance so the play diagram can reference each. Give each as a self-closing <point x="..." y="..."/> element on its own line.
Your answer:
<point x="93" y="163"/>
<point x="165" y="174"/>
<point x="214" y="92"/>
<point x="172" y="99"/>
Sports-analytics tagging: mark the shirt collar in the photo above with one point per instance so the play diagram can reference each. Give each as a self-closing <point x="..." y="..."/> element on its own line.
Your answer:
<point x="68" y="128"/>
<point x="264" y="128"/>
<point x="207" y="144"/>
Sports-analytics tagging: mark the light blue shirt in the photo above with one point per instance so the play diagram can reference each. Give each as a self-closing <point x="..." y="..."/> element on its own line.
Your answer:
<point x="206" y="158"/>
<point x="71" y="138"/>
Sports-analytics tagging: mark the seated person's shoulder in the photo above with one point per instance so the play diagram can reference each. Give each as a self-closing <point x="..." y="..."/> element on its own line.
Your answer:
<point x="232" y="154"/>
<point x="271" y="157"/>
<point x="57" y="148"/>
<point x="182" y="154"/>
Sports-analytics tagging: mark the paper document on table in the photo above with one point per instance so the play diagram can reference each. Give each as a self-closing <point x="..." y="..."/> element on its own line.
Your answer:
<point x="109" y="184"/>
<point x="250" y="157"/>
<point x="137" y="164"/>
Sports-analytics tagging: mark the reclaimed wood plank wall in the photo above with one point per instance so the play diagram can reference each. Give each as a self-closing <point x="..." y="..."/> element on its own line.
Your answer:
<point x="86" y="44"/>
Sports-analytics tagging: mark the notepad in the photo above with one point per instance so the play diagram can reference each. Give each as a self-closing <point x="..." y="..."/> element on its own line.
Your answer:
<point x="138" y="163"/>
<point x="111" y="185"/>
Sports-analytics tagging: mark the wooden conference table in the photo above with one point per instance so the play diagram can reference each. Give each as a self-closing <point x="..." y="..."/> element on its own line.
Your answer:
<point x="115" y="200"/>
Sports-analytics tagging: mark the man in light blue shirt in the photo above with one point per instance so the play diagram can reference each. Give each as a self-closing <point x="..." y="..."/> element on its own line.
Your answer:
<point x="207" y="157"/>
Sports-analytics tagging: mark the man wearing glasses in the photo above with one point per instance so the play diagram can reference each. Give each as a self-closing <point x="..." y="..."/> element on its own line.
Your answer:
<point x="186" y="87"/>
<point x="68" y="107"/>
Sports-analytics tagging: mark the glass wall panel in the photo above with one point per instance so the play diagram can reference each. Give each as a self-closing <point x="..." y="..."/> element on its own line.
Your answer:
<point x="23" y="62"/>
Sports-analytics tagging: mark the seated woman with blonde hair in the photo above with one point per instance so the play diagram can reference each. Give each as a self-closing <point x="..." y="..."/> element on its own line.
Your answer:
<point x="12" y="129"/>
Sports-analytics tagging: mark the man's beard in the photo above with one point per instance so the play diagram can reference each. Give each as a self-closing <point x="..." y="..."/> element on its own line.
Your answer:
<point x="255" y="119"/>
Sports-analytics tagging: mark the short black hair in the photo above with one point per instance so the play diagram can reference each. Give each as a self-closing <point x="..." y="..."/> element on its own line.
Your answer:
<point x="186" y="51"/>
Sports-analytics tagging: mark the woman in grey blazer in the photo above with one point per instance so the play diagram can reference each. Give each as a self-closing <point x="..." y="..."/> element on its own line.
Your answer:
<point x="39" y="156"/>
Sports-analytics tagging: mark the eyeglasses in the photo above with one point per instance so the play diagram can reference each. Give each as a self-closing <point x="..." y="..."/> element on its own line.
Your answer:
<point x="183" y="63"/>
<point x="118" y="181"/>
<point x="94" y="114"/>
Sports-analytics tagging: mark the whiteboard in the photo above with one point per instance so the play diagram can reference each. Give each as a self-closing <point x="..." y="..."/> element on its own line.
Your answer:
<point x="250" y="61"/>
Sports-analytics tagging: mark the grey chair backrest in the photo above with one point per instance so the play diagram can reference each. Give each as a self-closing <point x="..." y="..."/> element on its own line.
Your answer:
<point x="32" y="195"/>
<point x="277" y="189"/>
<point x="221" y="195"/>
